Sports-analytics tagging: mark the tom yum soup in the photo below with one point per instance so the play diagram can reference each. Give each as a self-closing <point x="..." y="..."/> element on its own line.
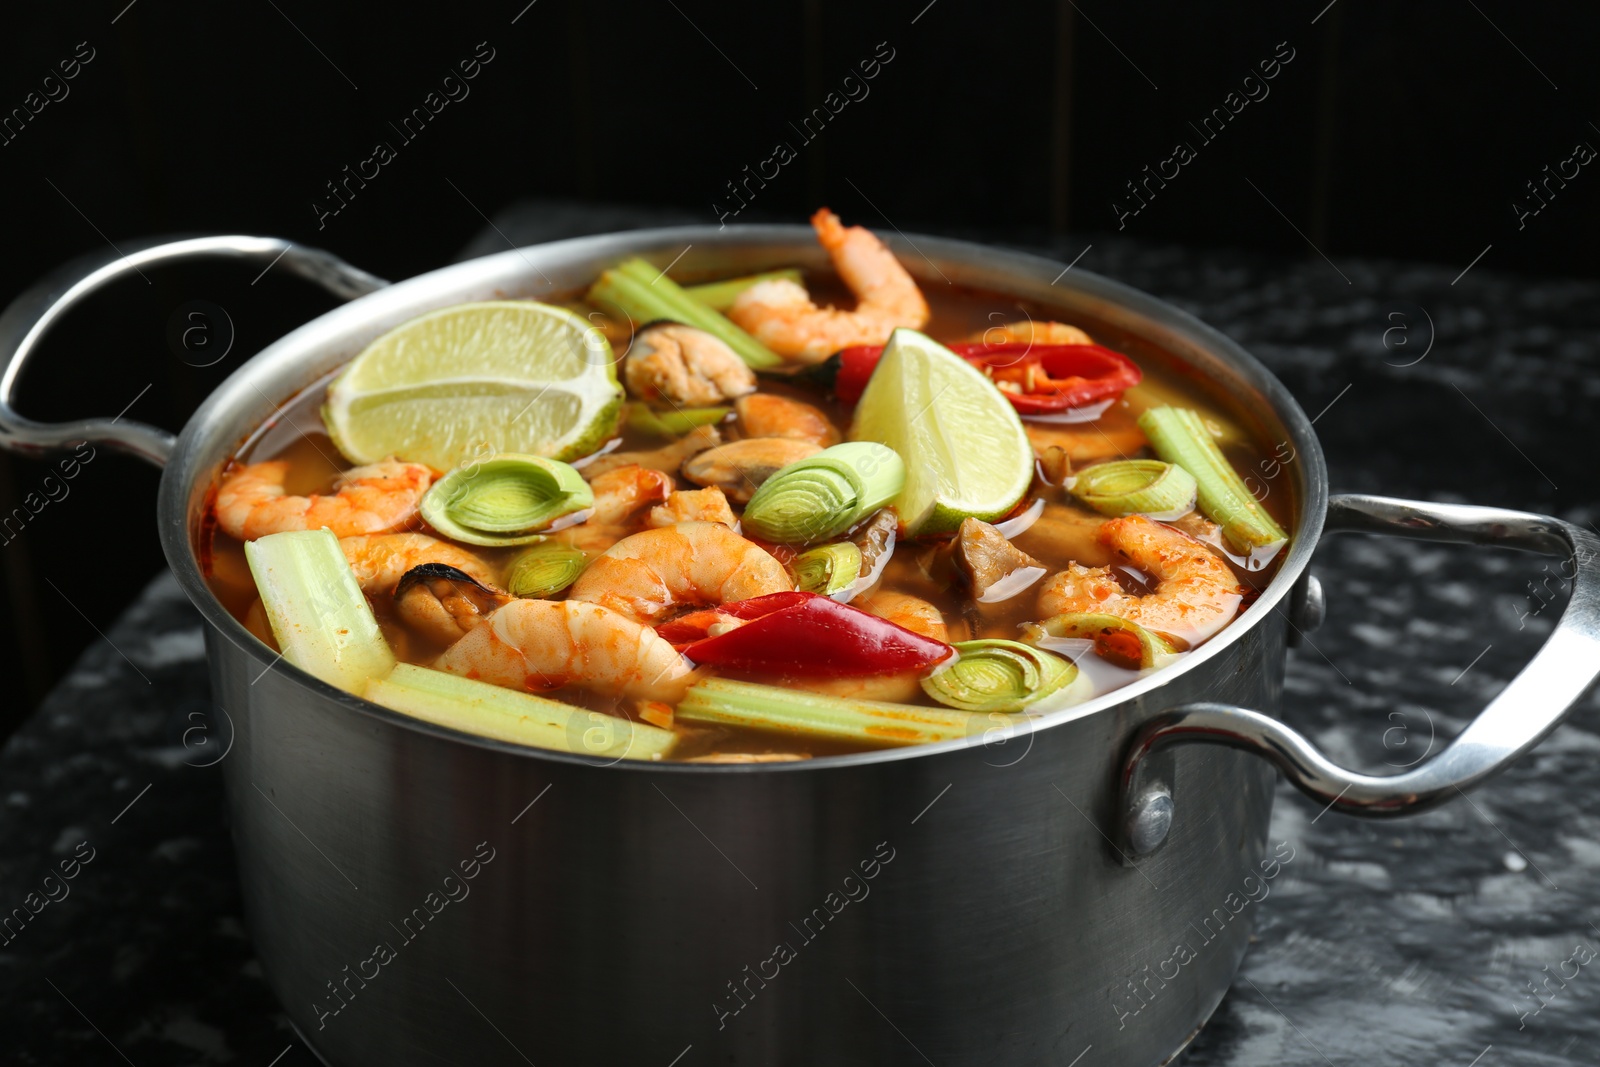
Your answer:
<point x="734" y="523"/>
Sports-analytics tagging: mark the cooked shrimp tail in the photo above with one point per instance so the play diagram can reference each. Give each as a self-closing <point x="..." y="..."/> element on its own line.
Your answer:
<point x="645" y="576"/>
<point x="374" y="499"/>
<point x="540" y="645"/>
<point x="781" y="314"/>
<point x="1195" y="593"/>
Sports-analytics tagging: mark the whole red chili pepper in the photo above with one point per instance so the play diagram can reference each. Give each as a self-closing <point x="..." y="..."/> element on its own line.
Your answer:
<point x="1046" y="378"/>
<point x="802" y="634"/>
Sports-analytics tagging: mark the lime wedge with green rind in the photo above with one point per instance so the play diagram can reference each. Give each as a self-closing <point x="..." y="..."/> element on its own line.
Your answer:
<point x="475" y="380"/>
<point x="965" y="450"/>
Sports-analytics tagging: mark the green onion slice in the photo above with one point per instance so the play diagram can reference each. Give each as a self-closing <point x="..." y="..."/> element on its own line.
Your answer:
<point x="820" y="497"/>
<point x="507" y="499"/>
<point x="828" y="569"/>
<point x="1136" y="486"/>
<point x="997" y="675"/>
<point x="1180" y="436"/>
<point x="544" y="570"/>
<point x="1116" y="640"/>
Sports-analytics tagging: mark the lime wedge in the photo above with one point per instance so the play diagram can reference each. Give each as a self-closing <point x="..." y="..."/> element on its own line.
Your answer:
<point x="475" y="380"/>
<point x="964" y="447"/>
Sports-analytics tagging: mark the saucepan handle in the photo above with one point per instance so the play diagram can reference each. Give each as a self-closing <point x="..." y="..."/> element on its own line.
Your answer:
<point x="1535" y="702"/>
<point x="31" y="315"/>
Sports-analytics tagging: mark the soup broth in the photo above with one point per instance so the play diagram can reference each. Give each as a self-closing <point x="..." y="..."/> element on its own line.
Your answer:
<point x="1050" y="524"/>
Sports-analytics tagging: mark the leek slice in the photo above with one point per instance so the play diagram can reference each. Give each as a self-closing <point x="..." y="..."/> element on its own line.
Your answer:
<point x="544" y="570"/>
<point x="723" y="701"/>
<point x="318" y="614"/>
<point x="820" y="497"/>
<point x="645" y="294"/>
<point x="1136" y="487"/>
<point x="719" y="296"/>
<point x="993" y="674"/>
<point x="1116" y="640"/>
<point x="506" y="499"/>
<point x="1180" y="436"/>
<point x="828" y="569"/>
<point x="506" y="715"/>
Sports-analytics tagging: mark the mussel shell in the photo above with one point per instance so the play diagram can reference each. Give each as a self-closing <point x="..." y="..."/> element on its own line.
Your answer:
<point x="427" y="572"/>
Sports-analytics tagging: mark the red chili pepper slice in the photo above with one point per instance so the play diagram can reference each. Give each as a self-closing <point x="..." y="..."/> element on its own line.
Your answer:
<point x="1120" y="648"/>
<point x="856" y="365"/>
<point x="685" y="630"/>
<point x="1047" y="378"/>
<point x="804" y="634"/>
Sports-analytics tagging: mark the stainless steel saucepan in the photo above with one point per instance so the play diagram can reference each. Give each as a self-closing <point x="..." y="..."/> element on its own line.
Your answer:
<point x="419" y="896"/>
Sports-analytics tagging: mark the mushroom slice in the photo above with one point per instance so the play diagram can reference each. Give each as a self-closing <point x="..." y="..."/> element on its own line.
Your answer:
<point x="876" y="539"/>
<point x="443" y="603"/>
<point x="767" y="415"/>
<point x="1055" y="465"/>
<point x="996" y="569"/>
<point x="685" y="366"/>
<point x="739" y="468"/>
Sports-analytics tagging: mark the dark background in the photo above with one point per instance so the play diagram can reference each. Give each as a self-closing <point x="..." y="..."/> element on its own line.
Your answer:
<point x="1396" y="131"/>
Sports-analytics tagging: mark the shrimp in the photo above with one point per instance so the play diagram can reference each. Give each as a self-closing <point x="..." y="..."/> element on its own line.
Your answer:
<point x="374" y="499"/>
<point x="381" y="560"/>
<point x="539" y="645"/>
<point x="1195" y="592"/>
<point x="590" y="537"/>
<point x="782" y="316"/>
<point x="645" y="576"/>
<point x="770" y="415"/>
<point x="694" y="505"/>
<point x="912" y="612"/>
<point x="1042" y="333"/>
<point x="620" y="493"/>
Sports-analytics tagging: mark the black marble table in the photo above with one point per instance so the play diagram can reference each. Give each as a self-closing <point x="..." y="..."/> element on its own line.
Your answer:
<point x="1403" y="942"/>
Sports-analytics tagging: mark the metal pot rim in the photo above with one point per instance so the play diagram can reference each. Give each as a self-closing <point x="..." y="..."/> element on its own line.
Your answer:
<point x="181" y="474"/>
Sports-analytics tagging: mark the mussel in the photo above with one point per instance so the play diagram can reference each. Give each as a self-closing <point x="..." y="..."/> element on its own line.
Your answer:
<point x="685" y="366"/>
<point x="739" y="468"/>
<point x="443" y="603"/>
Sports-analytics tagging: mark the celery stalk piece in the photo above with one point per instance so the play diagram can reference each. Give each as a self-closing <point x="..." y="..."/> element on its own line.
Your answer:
<point x="1180" y="436"/>
<point x="318" y="613"/>
<point x="475" y="707"/>
<point x="719" y="296"/>
<point x="645" y="294"/>
<point x="795" y="711"/>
